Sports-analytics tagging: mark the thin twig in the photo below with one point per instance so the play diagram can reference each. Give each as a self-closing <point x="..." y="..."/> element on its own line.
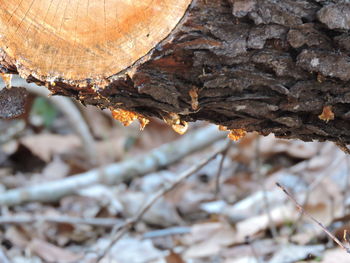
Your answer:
<point x="301" y="215"/>
<point x="171" y="231"/>
<point x="251" y="244"/>
<point x="255" y="255"/>
<point x="261" y="181"/>
<point x="302" y="210"/>
<point x="221" y="165"/>
<point x="17" y="220"/>
<point x="133" y="221"/>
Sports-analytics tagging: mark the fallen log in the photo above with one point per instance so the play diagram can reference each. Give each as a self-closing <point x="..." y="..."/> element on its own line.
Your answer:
<point x="270" y="66"/>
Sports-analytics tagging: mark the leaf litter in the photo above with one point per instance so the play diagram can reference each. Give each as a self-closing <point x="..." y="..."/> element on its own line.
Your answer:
<point x="190" y="224"/>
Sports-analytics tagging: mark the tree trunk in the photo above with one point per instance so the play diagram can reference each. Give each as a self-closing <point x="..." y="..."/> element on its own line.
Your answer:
<point x="270" y="66"/>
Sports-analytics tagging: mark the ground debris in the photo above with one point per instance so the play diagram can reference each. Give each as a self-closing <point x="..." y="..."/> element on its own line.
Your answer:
<point x="190" y="223"/>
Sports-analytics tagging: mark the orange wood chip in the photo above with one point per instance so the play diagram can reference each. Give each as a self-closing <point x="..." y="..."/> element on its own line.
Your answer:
<point x="194" y="98"/>
<point x="222" y="128"/>
<point x="180" y="128"/>
<point x="174" y="120"/>
<point x="327" y="114"/>
<point x="235" y="134"/>
<point x="127" y="117"/>
<point x="7" y="79"/>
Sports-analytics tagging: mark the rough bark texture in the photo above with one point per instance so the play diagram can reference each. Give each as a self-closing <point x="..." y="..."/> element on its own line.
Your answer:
<point x="260" y="65"/>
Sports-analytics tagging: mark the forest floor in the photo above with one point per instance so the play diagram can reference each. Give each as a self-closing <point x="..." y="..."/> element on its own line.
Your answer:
<point x="246" y="218"/>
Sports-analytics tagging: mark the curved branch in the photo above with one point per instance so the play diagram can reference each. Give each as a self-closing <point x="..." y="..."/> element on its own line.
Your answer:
<point x="118" y="172"/>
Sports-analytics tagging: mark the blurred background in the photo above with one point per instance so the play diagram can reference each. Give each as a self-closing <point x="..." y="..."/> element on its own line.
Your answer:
<point x="229" y="211"/>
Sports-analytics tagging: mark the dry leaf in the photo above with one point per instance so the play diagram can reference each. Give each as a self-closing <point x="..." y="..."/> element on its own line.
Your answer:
<point x="293" y="253"/>
<point x="251" y="259"/>
<point x="80" y="206"/>
<point x="56" y="169"/>
<point x="252" y="205"/>
<point x="129" y="250"/>
<point x="262" y="247"/>
<point x="106" y="196"/>
<point x="51" y="253"/>
<point x="111" y="149"/>
<point x="336" y="255"/>
<point x="253" y="225"/>
<point x="208" y="239"/>
<point x="99" y="123"/>
<point x="162" y="213"/>
<point x="305" y="150"/>
<point x="174" y="258"/>
<point x="17" y="237"/>
<point x="47" y="145"/>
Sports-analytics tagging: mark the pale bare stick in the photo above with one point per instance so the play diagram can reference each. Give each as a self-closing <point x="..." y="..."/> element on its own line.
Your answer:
<point x="116" y="173"/>
<point x="133" y="221"/>
<point x="302" y="210"/>
<point x="171" y="231"/>
<point x="18" y="220"/>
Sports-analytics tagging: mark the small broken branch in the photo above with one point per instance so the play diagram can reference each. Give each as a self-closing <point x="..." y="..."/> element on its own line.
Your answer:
<point x="17" y="220"/>
<point x="302" y="210"/>
<point x="117" y="172"/>
<point x="171" y="231"/>
<point x="132" y="222"/>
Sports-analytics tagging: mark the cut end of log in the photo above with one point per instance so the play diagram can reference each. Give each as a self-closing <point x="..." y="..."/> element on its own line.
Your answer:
<point x="83" y="40"/>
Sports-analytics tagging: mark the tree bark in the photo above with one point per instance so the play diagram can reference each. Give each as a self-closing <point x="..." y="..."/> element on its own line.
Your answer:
<point x="279" y="67"/>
